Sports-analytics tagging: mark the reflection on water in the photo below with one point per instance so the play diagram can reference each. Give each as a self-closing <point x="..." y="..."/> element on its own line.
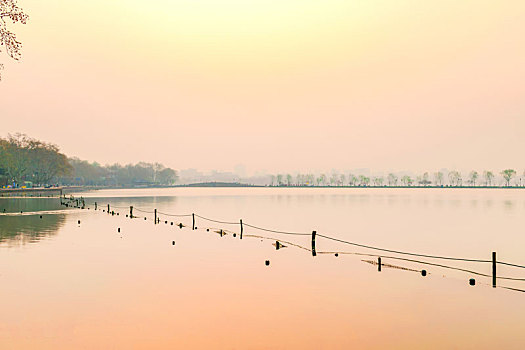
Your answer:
<point x="22" y="229"/>
<point x="17" y="205"/>
<point x="28" y="227"/>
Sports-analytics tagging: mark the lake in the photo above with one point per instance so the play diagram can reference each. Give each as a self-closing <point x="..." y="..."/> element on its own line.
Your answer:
<point x="65" y="285"/>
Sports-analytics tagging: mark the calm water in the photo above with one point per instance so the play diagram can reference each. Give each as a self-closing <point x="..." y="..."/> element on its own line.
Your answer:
<point x="65" y="285"/>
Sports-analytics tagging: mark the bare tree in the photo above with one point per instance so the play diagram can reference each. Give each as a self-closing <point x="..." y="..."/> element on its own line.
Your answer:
<point x="342" y="179"/>
<point x="423" y="180"/>
<point x="321" y="180"/>
<point x="334" y="179"/>
<point x="310" y="179"/>
<point x="363" y="180"/>
<point x="352" y="179"/>
<point x="438" y="178"/>
<point x="378" y="181"/>
<point x="454" y="178"/>
<point x="279" y="179"/>
<point x="9" y="11"/>
<point x="489" y="177"/>
<point x="288" y="179"/>
<point x="473" y="177"/>
<point x="392" y="179"/>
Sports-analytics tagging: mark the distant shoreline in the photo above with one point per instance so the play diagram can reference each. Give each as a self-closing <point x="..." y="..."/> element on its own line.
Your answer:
<point x="59" y="191"/>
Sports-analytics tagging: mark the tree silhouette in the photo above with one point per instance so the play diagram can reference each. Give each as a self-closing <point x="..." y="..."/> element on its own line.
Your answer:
<point x="9" y="11"/>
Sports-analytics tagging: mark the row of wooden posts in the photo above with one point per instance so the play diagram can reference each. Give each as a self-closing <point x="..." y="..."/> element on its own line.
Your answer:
<point x="314" y="252"/>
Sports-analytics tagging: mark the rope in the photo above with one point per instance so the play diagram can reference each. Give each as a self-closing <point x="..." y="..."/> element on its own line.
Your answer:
<point x="143" y="211"/>
<point x="220" y="222"/>
<point x="514" y="289"/>
<point x="274" y="231"/>
<point x="404" y="253"/>
<point x="114" y="206"/>
<point x="427" y="263"/>
<point x="178" y="215"/>
<point x="280" y="241"/>
<point x="509" y="264"/>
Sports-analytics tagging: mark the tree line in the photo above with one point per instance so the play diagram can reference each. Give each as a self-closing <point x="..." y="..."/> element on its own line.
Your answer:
<point x="25" y="161"/>
<point x="140" y="174"/>
<point x="454" y="178"/>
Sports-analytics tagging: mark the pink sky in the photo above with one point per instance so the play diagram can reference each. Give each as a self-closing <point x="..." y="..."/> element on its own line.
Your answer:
<point x="280" y="86"/>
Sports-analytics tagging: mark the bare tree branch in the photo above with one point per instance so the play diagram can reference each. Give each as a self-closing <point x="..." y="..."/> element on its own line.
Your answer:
<point x="9" y="10"/>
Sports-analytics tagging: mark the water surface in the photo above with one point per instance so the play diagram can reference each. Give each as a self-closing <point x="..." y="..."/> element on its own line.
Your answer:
<point x="86" y="285"/>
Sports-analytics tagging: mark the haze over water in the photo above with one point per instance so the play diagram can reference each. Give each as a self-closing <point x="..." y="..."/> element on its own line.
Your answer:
<point x="277" y="86"/>
<point x="88" y="286"/>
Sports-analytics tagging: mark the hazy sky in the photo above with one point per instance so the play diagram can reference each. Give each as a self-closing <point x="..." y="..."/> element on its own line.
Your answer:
<point x="277" y="85"/>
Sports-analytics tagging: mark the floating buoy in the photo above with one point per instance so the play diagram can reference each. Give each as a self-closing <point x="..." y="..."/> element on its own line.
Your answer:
<point x="180" y="225"/>
<point x="172" y="242"/>
<point x="172" y="224"/>
<point x="423" y="273"/>
<point x="336" y="255"/>
<point x="119" y="229"/>
<point x="40" y="216"/>
<point x="166" y="222"/>
<point x="126" y="215"/>
<point x="472" y="281"/>
<point x="207" y="230"/>
<point x="267" y="262"/>
<point x="144" y="218"/>
<point x="79" y="222"/>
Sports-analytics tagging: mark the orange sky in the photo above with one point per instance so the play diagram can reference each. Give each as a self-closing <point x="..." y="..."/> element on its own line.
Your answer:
<point x="275" y="85"/>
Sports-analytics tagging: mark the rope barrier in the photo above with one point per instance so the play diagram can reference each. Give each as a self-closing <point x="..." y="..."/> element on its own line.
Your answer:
<point x="343" y="241"/>
<point x="425" y="263"/>
<point x="143" y="211"/>
<point x="222" y="231"/>
<point x="176" y="215"/>
<point x="114" y="206"/>
<point x="280" y="241"/>
<point x="275" y="231"/>
<point x="403" y="253"/>
<point x="217" y="221"/>
<point x="509" y="264"/>
<point x="514" y="289"/>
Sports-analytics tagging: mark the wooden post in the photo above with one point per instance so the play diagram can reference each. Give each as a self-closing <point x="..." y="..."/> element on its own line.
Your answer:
<point x="313" y="243"/>
<point x="193" y="225"/>
<point x="95" y="205"/>
<point x="155" y="220"/>
<point x="108" y="208"/>
<point x="379" y="264"/>
<point x="493" y="269"/>
<point x="131" y="212"/>
<point x="241" y="228"/>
